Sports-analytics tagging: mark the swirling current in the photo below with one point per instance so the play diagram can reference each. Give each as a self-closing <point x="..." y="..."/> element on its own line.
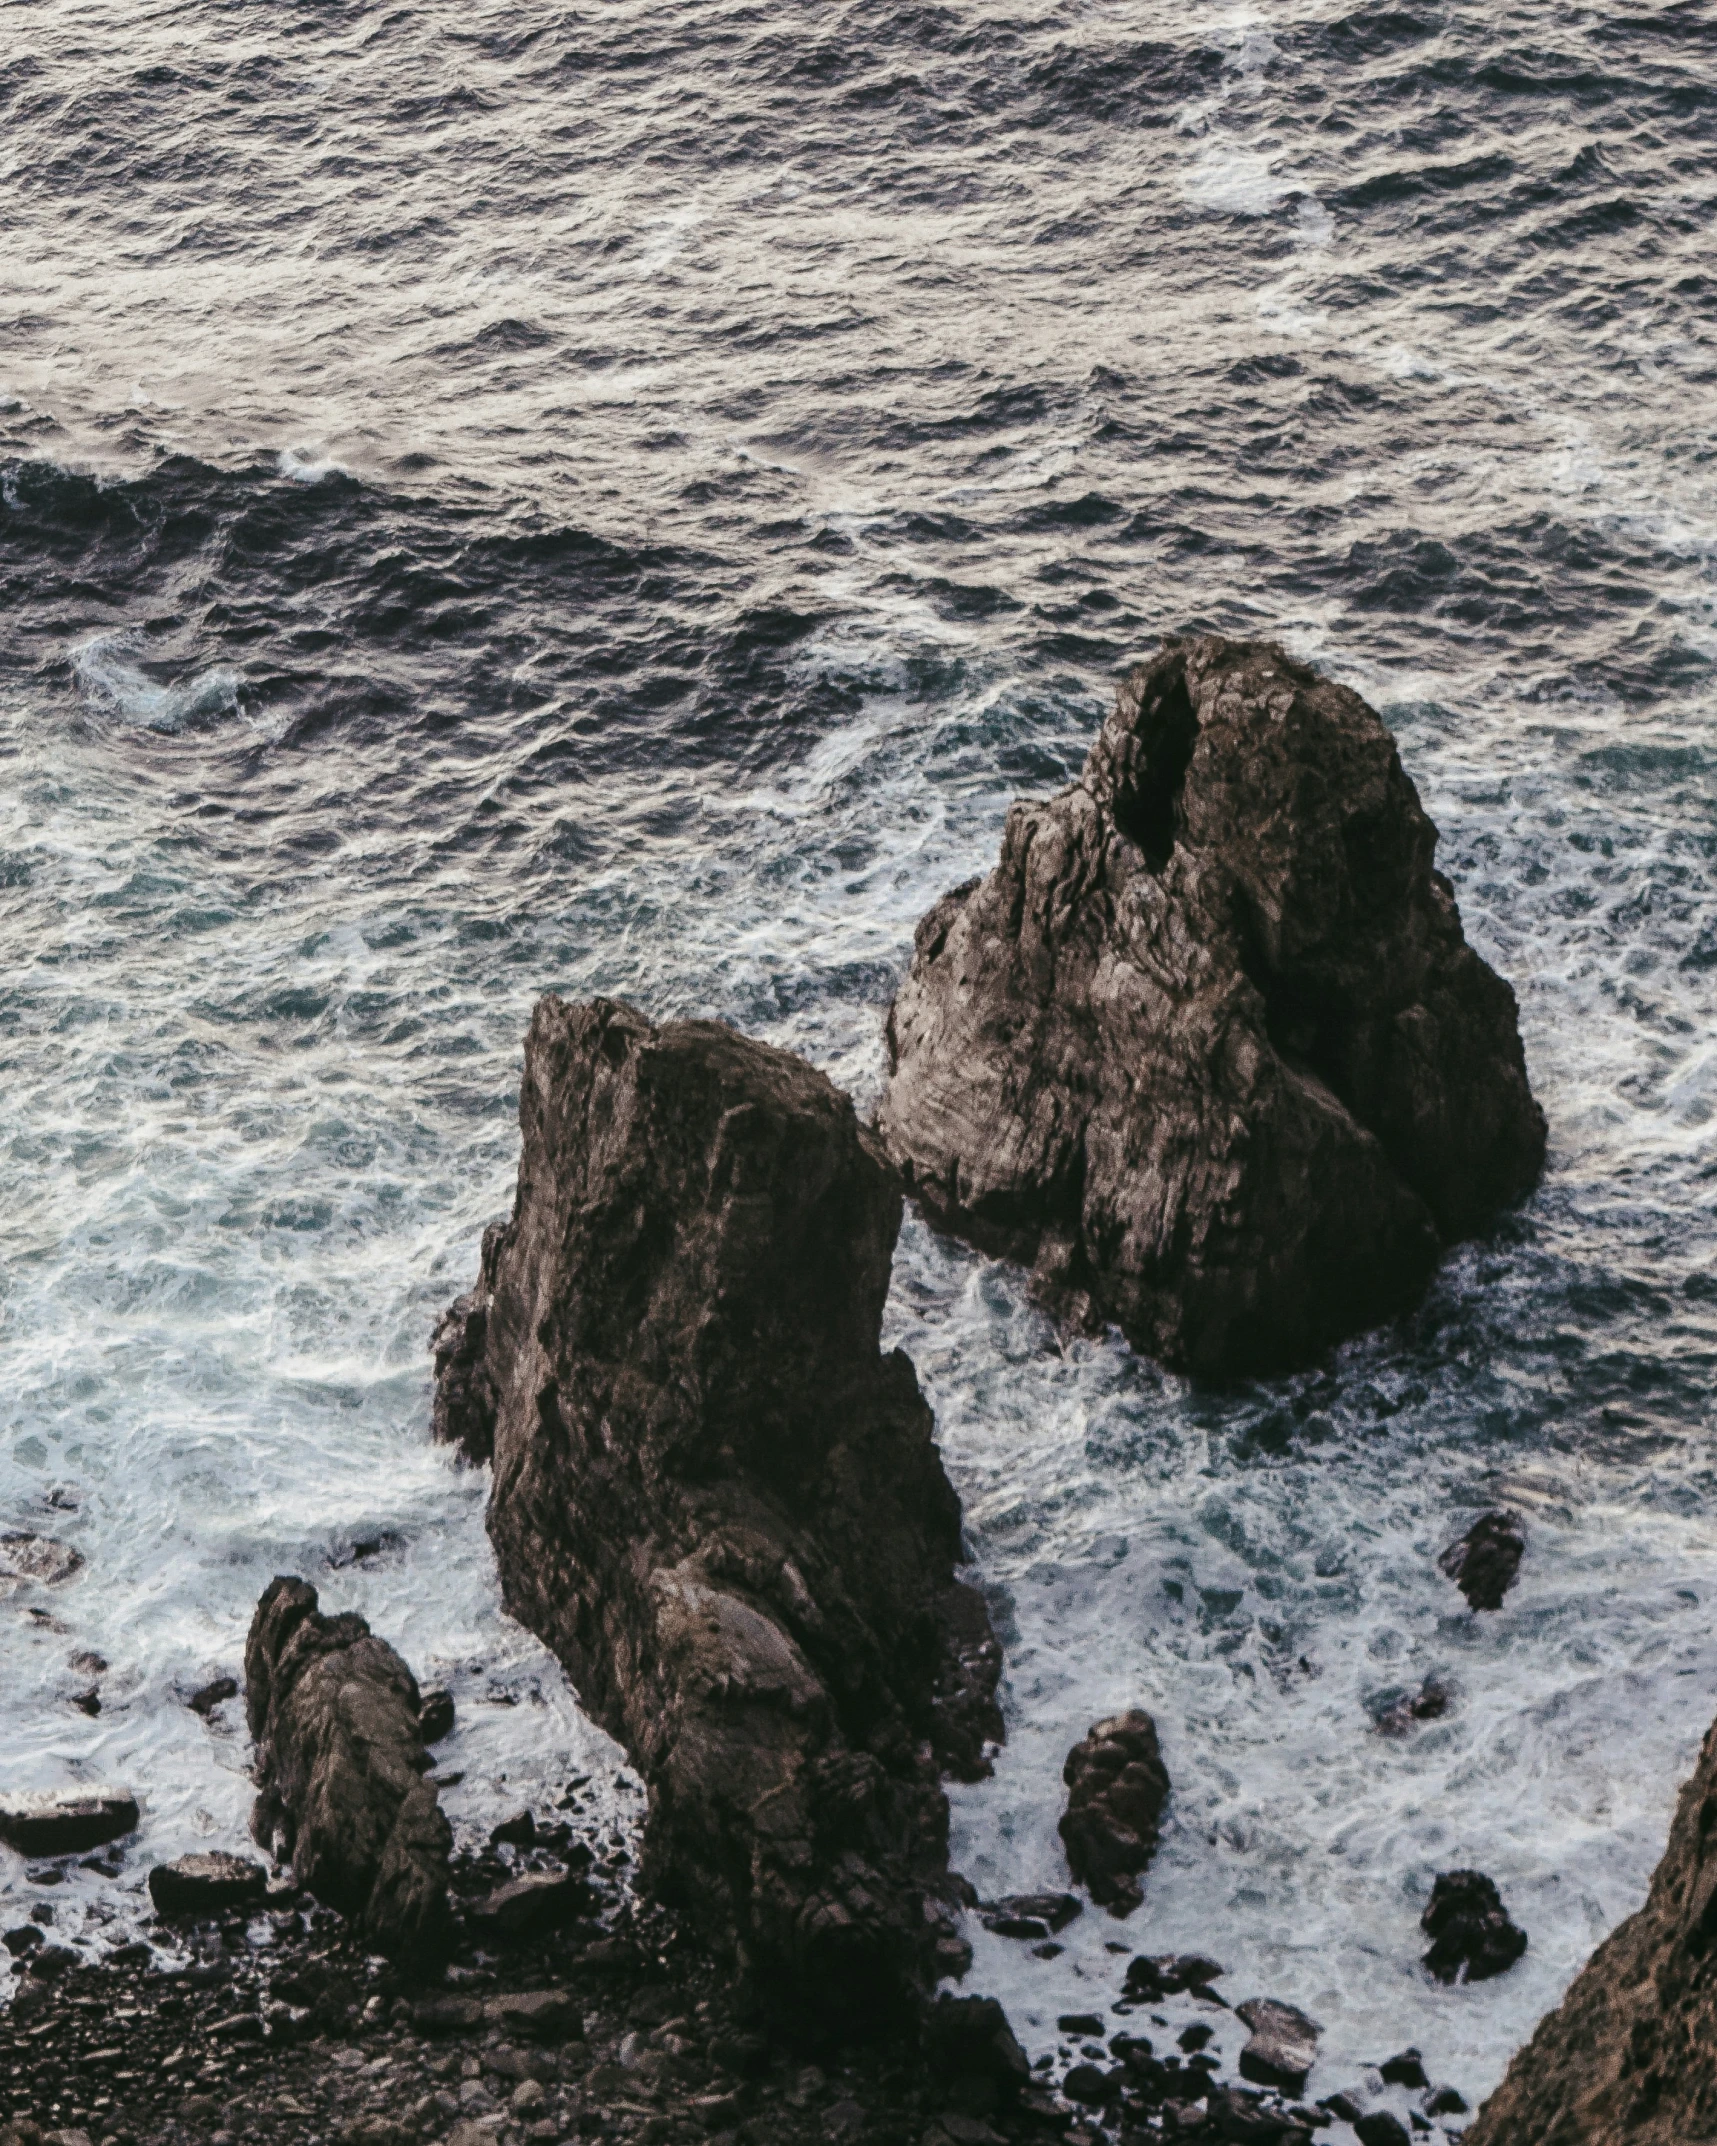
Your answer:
<point x="619" y="499"/>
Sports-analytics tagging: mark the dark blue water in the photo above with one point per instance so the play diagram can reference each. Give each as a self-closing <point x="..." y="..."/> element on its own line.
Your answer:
<point x="499" y="500"/>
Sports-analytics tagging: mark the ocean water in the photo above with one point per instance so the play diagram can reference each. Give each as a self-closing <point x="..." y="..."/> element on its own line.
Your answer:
<point x="500" y="500"/>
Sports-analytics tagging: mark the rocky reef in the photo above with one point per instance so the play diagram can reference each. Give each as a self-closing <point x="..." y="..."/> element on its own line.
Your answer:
<point x="340" y="1768"/>
<point x="1627" y="2053"/>
<point x="1208" y="1046"/>
<point x="718" y="1501"/>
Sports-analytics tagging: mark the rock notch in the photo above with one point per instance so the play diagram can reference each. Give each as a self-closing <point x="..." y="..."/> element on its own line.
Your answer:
<point x="340" y="1771"/>
<point x="1208" y="1045"/>
<point x="720" y="1504"/>
<point x="1117" y="1785"/>
<point x="1628" y="2051"/>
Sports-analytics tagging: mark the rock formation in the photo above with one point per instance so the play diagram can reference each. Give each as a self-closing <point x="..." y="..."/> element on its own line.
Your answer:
<point x="1471" y="1935"/>
<point x="719" y="1503"/>
<point x="340" y="1772"/>
<point x="1117" y="1785"/>
<point x="1208" y="1045"/>
<point x="1628" y="2053"/>
<point x="66" y="1821"/>
<point x="1484" y="1563"/>
<point x="1283" y="2045"/>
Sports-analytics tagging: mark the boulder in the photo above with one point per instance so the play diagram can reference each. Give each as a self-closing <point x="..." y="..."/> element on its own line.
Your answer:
<point x="1471" y="1935"/>
<point x="1631" y="2051"/>
<point x="1117" y="1785"/>
<point x="526" y="1906"/>
<point x="1208" y="1045"/>
<point x="66" y="1821"/>
<point x="207" y="1884"/>
<point x="209" y="1696"/>
<point x="340" y="1773"/>
<point x="435" y="1721"/>
<point x="1283" y="2045"/>
<point x="1483" y="1564"/>
<point x="1377" y="2127"/>
<point x="718" y="1501"/>
<point x="1030" y="1915"/>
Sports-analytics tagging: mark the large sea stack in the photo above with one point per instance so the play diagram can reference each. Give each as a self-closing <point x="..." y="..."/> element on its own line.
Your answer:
<point x="1631" y="2051"/>
<point x="717" y="1500"/>
<point x="1208" y="1045"/>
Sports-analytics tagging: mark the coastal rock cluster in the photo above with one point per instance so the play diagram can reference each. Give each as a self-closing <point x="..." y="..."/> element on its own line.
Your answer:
<point x="718" y="1501"/>
<point x="1208" y="1047"/>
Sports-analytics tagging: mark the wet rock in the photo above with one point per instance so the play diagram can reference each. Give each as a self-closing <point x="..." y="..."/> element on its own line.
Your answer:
<point x="518" y="1831"/>
<point x="718" y="1501"/>
<point x="1029" y="1915"/>
<point x="526" y="1906"/>
<point x="1208" y="1045"/>
<point x="204" y="1700"/>
<point x="1117" y="1785"/>
<point x="1084" y="2023"/>
<point x="435" y="1717"/>
<point x="1406" y="2069"/>
<point x="1377" y="2127"/>
<point x="25" y="1558"/>
<point x="1166" y="1974"/>
<point x="66" y="1821"/>
<point x="1246" y="2119"/>
<point x="1091" y="2084"/>
<point x="1283" y="2045"/>
<point x="1471" y="1935"/>
<point x="1399" y="1715"/>
<point x="205" y="1884"/>
<point x="1483" y="1564"/>
<point x="22" y="1941"/>
<point x="340" y="1766"/>
<point x="51" y="1961"/>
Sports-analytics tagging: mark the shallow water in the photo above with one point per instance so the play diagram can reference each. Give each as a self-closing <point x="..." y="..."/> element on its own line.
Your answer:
<point x="621" y="501"/>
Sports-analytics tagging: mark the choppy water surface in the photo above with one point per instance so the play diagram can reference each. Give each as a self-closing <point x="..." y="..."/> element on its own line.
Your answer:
<point x="619" y="500"/>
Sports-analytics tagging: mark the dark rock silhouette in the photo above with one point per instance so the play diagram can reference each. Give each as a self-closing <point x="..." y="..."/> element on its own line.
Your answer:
<point x="1628" y="2053"/>
<point x="720" y="1504"/>
<point x="209" y="1883"/>
<point x="1283" y="2044"/>
<point x="1471" y="1935"/>
<point x="1117" y="1785"/>
<point x="340" y="1772"/>
<point x="66" y="1821"/>
<point x="1483" y="1564"/>
<point x="1208" y="1045"/>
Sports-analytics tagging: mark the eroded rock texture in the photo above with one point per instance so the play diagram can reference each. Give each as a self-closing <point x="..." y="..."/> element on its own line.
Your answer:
<point x="340" y="1771"/>
<point x="719" y="1503"/>
<point x="1117" y="1786"/>
<point x="1208" y="1045"/>
<point x="1631" y="2051"/>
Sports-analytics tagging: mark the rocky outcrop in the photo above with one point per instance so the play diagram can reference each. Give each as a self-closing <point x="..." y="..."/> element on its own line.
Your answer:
<point x="1472" y="1937"/>
<point x="1208" y="1045"/>
<point x="1629" y="2052"/>
<point x="1117" y="1785"/>
<point x="340" y="1771"/>
<point x="1486" y="1560"/>
<point x="719" y="1503"/>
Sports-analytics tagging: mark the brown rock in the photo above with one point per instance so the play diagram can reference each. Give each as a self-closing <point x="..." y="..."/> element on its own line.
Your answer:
<point x="66" y="1822"/>
<point x="1117" y="1785"/>
<point x="1483" y="1564"/>
<point x="1471" y="1936"/>
<point x="1208" y="1044"/>
<point x="206" y="1884"/>
<point x="340" y="1772"/>
<point x="717" y="1500"/>
<point x="1283" y="2045"/>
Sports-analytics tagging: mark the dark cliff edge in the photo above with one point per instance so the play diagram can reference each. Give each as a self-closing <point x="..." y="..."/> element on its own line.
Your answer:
<point x="721" y="1505"/>
<point x="1208" y="1045"/>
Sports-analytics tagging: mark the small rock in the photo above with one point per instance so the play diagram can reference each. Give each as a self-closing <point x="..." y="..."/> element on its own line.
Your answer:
<point x="212" y="1695"/>
<point x="544" y="2014"/>
<point x="66" y="1822"/>
<point x="1343" y="2105"/>
<point x="35" y="1557"/>
<point x="1197" y="2036"/>
<point x="1471" y="1935"/>
<point x="1166" y="1974"/>
<point x="26" y="1938"/>
<point x="1244" y="2119"/>
<point x="518" y="1831"/>
<point x="205" y="1884"/>
<point x="1445" y="2101"/>
<point x="1407" y="2069"/>
<point x="1483" y="1564"/>
<point x="1029" y="1915"/>
<point x="1283" y="2045"/>
<point x="539" y="1900"/>
<point x="1079" y="2023"/>
<point x="1091" y="2084"/>
<point x="1429" y="1703"/>
<point x="52" y="1961"/>
<point x="1117" y="1786"/>
<point x="1379" y="2128"/>
<point x="88" y="1702"/>
<point x="528" y="2098"/>
<point x="435" y="1714"/>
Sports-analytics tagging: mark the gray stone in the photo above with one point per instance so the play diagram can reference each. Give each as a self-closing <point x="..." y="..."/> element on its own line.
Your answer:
<point x="1283" y="2046"/>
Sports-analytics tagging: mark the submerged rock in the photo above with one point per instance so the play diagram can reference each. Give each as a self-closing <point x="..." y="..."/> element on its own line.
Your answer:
<point x="1471" y="1935"/>
<point x="1283" y="2045"/>
<point x="66" y="1822"/>
<point x="1208" y="1045"/>
<point x="205" y="1700"/>
<point x="1631" y="2051"/>
<point x="25" y="1557"/>
<point x="1117" y="1786"/>
<point x="1484" y="1563"/>
<point x="717" y="1500"/>
<point x="340" y="1771"/>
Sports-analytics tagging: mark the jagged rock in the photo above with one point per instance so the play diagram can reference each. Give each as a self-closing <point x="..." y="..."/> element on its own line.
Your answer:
<point x="66" y="1822"/>
<point x="1483" y="1564"/>
<point x="340" y="1772"/>
<point x="1471" y="1935"/>
<point x="435" y="1720"/>
<point x="1030" y="1915"/>
<point x="540" y="1900"/>
<point x="1405" y="2069"/>
<point x="1165" y="1974"/>
<point x="1378" y="2127"/>
<point x="1283" y="2045"/>
<point x="206" y="1884"/>
<point x="1117" y="1785"/>
<point x="25" y="1557"/>
<point x="1631" y="2051"/>
<point x="718" y="1502"/>
<point x="209" y="1696"/>
<point x="1208" y="1045"/>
